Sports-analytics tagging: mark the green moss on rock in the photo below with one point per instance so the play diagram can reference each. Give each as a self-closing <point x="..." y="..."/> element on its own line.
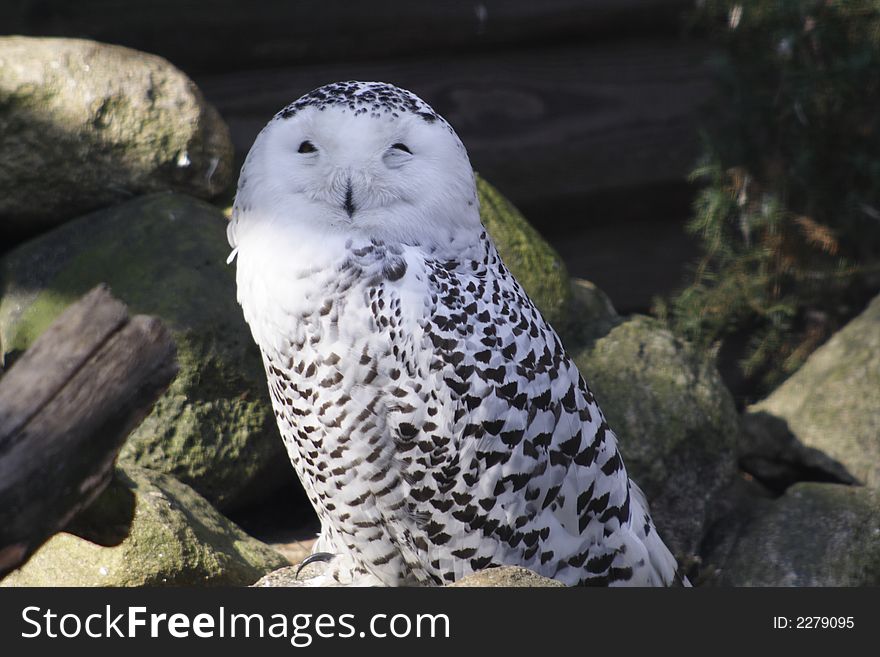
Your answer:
<point x="676" y="422"/>
<point x="176" y="538"/>
<point x="529" y="257"/>
<point x="163" y="255"/>
<point x="84" y="125"/>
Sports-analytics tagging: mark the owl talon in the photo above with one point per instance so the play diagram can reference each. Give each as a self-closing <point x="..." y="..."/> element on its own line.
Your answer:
<point x="313" y="558"/>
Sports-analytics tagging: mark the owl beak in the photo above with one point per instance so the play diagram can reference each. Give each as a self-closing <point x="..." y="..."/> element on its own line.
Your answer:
<point x="349" y="202"/>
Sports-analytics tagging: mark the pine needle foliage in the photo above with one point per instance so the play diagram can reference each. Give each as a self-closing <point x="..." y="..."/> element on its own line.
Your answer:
<point x="789" y="214"/>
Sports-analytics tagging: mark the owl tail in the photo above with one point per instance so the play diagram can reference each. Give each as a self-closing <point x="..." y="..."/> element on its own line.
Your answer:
<point x="661" y="564"/>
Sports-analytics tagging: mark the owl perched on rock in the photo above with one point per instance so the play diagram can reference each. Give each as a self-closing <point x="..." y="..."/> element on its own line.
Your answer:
<point x="431" y="414"/>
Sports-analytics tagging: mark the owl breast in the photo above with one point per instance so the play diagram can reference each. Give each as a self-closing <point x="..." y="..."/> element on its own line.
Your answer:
<point x="332" y="352"/>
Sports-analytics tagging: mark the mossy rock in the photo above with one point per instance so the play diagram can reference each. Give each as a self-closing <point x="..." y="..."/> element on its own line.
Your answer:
<point x="529" y="257"/>
<point x="163" y="255"/>
<point x="84" y="125"/>
<point x="675" y="421"/>
<point x="817" y="534"/>
<point x="832" y="403"/>
<point x="176" y="538"/>
<point x="506" y="577"/>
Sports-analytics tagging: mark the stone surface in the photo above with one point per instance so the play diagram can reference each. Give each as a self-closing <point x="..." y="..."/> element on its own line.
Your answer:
<point x="675" y="421"/>
<point x="591" y="314"/>
<point x="294" y="551"/>
<point x="176" y="538"/>
<point x="283" y="577"/>
<point x="773" y="455"/>
<point x="529" y="257"/>
<point x="84" y="125"/>
<point x="507" y="576"/>
<point x="816" y="534"/>
<point x="287" y="576"/>
<point x="833" y="402"/>
<point x="163" y="255"/>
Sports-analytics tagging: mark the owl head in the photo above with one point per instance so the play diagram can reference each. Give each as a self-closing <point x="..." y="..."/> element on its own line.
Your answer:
<point x="359" y="159"/>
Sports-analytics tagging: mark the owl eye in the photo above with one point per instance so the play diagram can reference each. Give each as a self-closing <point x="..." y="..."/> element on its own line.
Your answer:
<point x="401" y="147"/>
<point x="306" y="147"/>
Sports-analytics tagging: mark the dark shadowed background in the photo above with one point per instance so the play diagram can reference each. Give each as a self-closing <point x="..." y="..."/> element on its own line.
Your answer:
<point x="585" y="113"/>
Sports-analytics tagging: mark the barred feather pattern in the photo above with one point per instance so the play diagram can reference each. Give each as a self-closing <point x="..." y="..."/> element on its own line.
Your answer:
<point x="439" y="427"/>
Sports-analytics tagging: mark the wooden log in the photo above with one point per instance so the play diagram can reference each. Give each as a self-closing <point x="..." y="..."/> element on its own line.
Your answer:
<point x="56" y="358"/>
<point x="66" y="408"/>
<point x="220" y="35"/>
<point x="543" y="125"/>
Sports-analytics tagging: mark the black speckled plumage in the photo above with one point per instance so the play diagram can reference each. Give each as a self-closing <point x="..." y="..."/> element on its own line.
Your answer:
<point x="432" y="414"/>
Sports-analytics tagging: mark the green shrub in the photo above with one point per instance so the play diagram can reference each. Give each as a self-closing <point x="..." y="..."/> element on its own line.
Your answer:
<point x="789" y="219"/>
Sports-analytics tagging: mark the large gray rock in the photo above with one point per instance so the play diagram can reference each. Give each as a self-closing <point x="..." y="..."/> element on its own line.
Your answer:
<point x="84" y="125"/>
<point x="815" y="535"/>
<point x="163" y="255"/>
<point x="175" y="539"/>
<point x="676" y="422"/>
<point x="833" y="402"/>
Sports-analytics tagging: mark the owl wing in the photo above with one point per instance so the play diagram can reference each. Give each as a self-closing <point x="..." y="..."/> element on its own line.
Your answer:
<point x="504" y="452"/>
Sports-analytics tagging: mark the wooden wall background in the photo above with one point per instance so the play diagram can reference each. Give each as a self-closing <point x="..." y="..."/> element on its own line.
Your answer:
<point x="584" y="112"/>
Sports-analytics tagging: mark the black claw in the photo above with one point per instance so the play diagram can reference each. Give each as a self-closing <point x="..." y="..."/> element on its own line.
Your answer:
<point x="312" y="558"/>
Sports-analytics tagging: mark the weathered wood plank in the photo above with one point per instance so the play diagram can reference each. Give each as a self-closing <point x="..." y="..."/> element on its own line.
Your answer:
<point x="57" y="355"/>
<point x="541" y="124"/>
<point x="219" y="35"/>
<point x="58" y="459"/>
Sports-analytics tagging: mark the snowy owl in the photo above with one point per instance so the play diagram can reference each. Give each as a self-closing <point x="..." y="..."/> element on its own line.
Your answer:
<point x="431" y="414"/>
